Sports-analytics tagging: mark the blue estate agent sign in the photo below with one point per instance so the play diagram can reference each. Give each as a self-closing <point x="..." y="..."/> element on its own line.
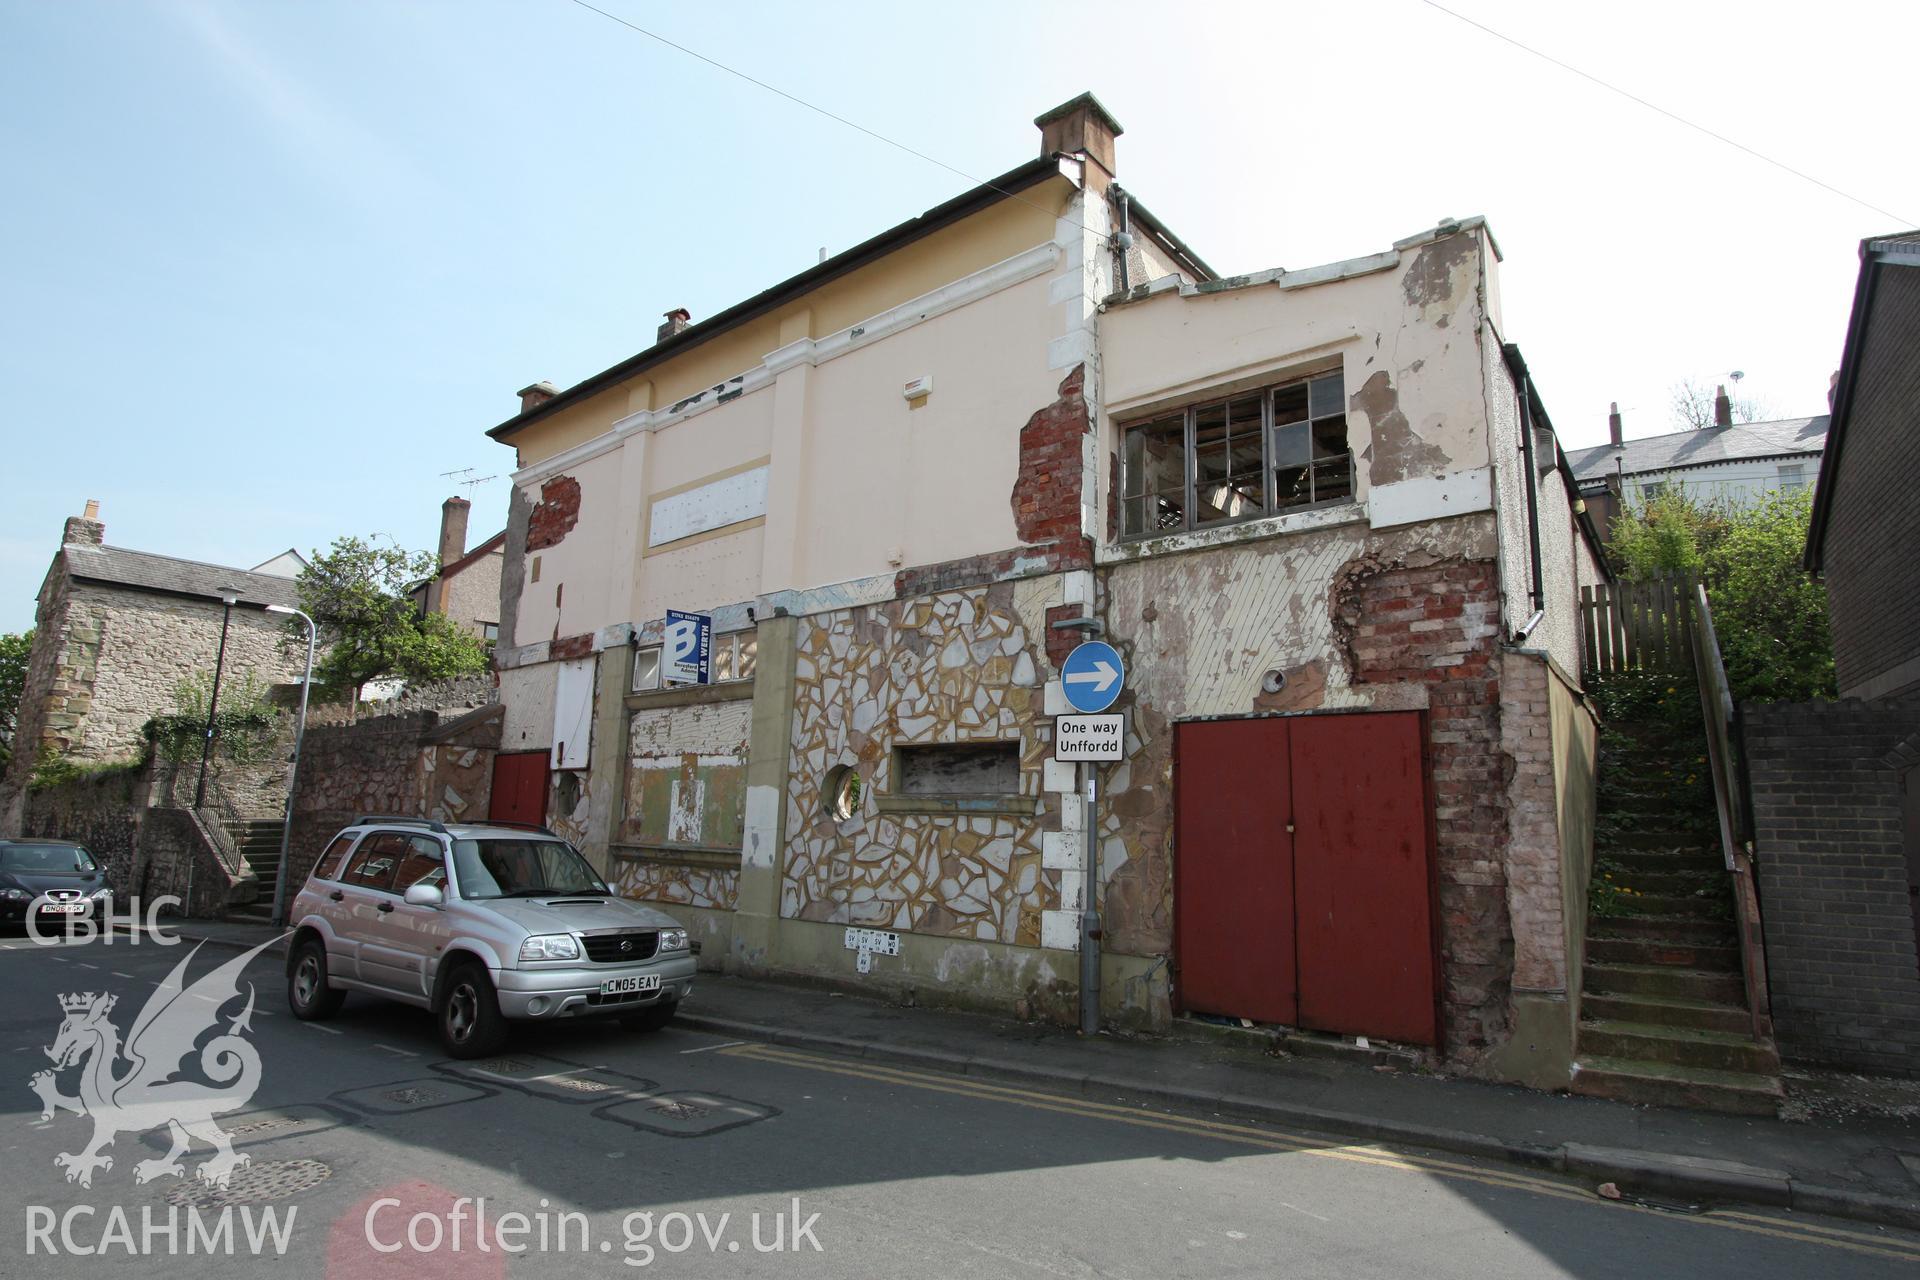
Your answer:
<point x="1092" y="677"/>
<point x="686" y="657"/>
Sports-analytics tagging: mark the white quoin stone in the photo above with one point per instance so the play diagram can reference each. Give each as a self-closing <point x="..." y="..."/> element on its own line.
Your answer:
<point x="1056" y="703"/>
<point x="1062" y="850"/>
<point x="1060" y="930"/>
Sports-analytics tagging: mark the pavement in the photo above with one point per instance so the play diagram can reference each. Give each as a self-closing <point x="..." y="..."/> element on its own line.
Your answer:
<point x="1857" y="1163"/>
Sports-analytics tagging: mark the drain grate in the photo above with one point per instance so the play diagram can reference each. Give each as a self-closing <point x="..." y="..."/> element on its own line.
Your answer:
<point x="680" y="1110"/>
<point x="579" y="1086"/>
<point x="412" y="1097"/>
<point x="252" y="1183"/>
<point x="261" y="1126"/>
<point x="504" y="1066"/>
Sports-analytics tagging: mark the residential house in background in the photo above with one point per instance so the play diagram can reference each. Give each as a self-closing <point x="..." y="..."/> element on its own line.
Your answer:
<point x="467" y="586"/>
<point x="116" y="631"/>
<point x="1722" y="463"/>
<point x="287" y="564"/>
<point x="1321" y="513"/>
<point x="1836" y="785"/>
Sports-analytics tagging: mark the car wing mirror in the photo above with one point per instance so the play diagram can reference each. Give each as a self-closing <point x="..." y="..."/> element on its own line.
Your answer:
<point x="424" y="895"/>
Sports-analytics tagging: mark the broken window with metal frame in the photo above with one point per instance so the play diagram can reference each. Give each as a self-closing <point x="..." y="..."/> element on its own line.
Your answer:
<point x="1278" y="449"/>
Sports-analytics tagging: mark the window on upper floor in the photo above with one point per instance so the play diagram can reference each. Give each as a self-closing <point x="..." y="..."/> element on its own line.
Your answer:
<point x="1264" y="452"/>
<point x="1793" y="475"/>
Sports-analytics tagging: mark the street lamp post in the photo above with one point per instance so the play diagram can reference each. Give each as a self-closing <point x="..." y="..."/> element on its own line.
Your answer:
<point x="228" y="597"/>
<point x="293" y="775"/>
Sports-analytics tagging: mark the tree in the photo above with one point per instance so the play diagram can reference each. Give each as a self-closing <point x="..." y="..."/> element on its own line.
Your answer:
<point x="360" y="596"/>
<point x="1693" y="406"/>
<point x="1770" y="616"/>
<point x="15" y="647"/>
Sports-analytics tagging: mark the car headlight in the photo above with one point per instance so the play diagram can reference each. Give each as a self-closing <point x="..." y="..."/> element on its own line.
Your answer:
<point x="100" y="895"/>
<point x="673" y="939"/>
<point x="15" y="895"/>
<point x="550" y="946"/>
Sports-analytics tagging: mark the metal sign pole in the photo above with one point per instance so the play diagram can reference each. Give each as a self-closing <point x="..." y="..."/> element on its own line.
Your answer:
<point x="1090" y="912"/>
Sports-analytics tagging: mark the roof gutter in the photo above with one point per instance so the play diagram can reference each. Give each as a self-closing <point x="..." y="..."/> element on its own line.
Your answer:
<point x="1008" y="184"/>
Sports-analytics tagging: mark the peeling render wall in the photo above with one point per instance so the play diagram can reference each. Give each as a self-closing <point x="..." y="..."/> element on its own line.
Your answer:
<point x="1400" y="620"/>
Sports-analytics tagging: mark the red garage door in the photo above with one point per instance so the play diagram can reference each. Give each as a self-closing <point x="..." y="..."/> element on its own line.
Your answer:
<point x="1303" y="874"/>
<point x="519" y="788"/>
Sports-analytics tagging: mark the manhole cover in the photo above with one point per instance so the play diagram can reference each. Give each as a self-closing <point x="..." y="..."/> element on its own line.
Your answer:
<point x="503" y="1066"/>
<point x="252" y="1183"/>
<point x="687" y="1114"/>
<point x="411" y="1097"/>
<point x="681" y="1110"/>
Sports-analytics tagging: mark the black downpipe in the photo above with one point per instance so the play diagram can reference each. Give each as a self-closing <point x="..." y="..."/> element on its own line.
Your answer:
<point x="1538" y="595"/>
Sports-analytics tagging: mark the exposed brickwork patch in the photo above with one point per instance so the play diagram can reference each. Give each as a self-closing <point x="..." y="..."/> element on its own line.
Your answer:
<point x="1062" y="642"/>
<point x="1046" y="495"/>
<point x="579" y="646"/>
<point x="1437" y="623"/>
<point x="556" y="513"/>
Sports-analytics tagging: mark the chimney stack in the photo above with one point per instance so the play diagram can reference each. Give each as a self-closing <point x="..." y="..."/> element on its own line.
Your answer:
<point x="85" y="530"/>
<point x="535" y="395"/>
<point x="1722" y="407"/>
<point x="1082" y="127"/>
<point x="1613" y="423"/>
<point x="678" y="320"/>
<point x="453" y="529"/>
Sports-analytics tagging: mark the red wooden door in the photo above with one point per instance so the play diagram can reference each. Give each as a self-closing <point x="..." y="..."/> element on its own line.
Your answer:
<point x="1233" y="870"/>
<point x="1363" y="877"/>
<point x="519" y="787"/>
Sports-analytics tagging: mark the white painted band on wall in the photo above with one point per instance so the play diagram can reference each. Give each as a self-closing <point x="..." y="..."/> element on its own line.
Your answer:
<point x="1005" y="274"/>
<point x="1453" y="493"/>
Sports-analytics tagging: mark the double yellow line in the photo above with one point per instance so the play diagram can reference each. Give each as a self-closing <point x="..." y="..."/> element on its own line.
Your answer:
<point x="1882" y="1246"/>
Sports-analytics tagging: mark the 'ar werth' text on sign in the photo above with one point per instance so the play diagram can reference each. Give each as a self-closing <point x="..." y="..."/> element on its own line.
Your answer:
<point x="1089" y="737"/>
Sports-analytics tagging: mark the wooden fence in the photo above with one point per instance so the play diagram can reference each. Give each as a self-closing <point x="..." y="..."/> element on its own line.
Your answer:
<point x="1638" y="626"/>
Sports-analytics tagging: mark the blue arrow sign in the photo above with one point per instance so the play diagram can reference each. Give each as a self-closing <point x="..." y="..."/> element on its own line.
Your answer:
<point x="1092" y="677"/>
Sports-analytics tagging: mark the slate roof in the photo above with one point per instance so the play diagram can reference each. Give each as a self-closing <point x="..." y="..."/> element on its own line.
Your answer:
<point x="1702" y="447"/>
<point x="144" y="571"/>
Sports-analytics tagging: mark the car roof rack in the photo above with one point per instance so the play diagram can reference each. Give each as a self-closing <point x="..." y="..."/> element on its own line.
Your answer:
<point x="541" y="827"/>
<point x="400" y="819"/>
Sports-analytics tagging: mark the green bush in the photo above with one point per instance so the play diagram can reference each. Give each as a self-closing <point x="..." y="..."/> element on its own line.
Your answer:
<point x="1770" y="616"/>
<point x="245" y="726"/>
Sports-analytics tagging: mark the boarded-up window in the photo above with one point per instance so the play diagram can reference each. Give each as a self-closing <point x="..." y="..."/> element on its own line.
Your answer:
<point x="572" y="714"/>
<point x="969" y="769"/>
<point x="687" y="775"/>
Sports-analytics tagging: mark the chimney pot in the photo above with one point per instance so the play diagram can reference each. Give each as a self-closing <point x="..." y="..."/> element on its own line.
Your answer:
<point x="1722" y="407"/>
<point x="678" y="320"/>
<point x="1081" y="126"/>
<point x="1613" y="423"/>
<point x="535" y="395"/>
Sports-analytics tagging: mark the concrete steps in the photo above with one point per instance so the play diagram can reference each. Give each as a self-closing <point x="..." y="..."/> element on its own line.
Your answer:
<point x="1663" y="1014"/>
<point x="258" y="843"/>
<point x="1665" y="1084"/>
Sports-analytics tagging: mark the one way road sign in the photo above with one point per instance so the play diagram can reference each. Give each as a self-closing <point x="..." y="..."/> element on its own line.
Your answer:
<point x="1092" y="677"/>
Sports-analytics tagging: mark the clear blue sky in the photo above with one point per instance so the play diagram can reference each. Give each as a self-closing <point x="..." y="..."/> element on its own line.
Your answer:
<point x="271" y="268"/>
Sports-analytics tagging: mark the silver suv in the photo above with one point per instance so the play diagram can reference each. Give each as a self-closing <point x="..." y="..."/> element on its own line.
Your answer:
<point x="481" y="924"/>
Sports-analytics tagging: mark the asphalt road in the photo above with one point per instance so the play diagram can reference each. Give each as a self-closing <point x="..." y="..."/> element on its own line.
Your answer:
<point x="687" y="1154"/>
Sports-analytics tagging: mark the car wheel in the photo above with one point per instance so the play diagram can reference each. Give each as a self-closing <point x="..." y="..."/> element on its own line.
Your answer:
<point x="471" y="1025"/>
<point x="308" y="994"/>
<point x="652" y="1018"/>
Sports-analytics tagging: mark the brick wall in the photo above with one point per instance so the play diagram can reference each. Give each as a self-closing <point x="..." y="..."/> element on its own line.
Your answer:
<point x="554" y="516"/>
<point x="1827" y="783"/>
<point x="1046" y="495"/>
<point x="1873" y="577"/>
<point x="1437" y="624"/>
